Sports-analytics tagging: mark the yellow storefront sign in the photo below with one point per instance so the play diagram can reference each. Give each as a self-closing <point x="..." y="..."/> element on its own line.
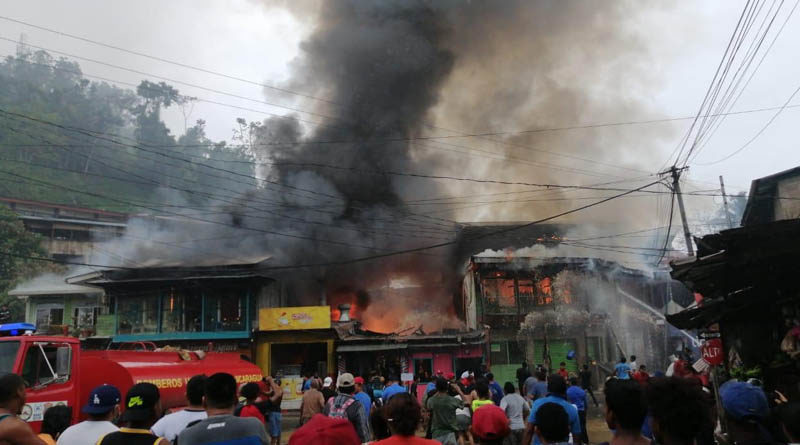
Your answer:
<point x="287" y="318"/>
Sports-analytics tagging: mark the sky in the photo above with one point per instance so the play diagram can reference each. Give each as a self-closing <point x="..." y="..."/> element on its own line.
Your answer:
<point x="245" y="39"/>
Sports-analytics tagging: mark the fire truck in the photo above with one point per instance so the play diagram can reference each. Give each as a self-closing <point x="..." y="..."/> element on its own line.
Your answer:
<point x="58" y="372"/>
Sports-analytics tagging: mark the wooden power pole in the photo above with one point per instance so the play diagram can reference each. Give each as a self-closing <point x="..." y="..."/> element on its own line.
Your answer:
<point x="676" y="188"/>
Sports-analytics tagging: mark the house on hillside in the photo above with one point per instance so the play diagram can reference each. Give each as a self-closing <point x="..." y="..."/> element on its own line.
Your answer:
<point x="70" y="233"/>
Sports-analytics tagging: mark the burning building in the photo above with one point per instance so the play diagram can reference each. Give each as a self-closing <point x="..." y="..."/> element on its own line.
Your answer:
<point x="547" y="308"/>
<point x="338" y="208"/>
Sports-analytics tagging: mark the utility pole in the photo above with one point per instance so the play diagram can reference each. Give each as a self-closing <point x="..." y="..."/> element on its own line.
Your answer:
<point x="725" y="202"/>
<point x="676" y="188"/>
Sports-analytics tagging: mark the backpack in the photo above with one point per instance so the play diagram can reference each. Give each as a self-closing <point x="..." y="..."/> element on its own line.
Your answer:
<point x="339" y="412"/>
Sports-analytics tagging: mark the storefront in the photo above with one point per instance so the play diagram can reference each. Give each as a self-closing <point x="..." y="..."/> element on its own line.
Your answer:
<point x="416" y="357"/>
<point x="188" y="307"/>
<point x="293" y="342"/>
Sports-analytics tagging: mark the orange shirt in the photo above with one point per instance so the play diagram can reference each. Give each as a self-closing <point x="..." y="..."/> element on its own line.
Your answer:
<point x="46" y="438"/>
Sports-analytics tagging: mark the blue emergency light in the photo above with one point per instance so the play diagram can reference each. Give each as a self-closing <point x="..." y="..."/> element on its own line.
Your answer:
<point x="16" y="329"/>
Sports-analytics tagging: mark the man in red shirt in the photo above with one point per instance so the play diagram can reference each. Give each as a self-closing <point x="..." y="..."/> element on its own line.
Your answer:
<point x="562" y="371"/>
<point x="641" y="375"/>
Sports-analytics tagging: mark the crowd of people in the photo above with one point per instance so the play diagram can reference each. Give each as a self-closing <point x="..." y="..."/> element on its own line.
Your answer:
<point x="548" y="408"/>
<point x="218" y="411"/>
<point x="543" y="408"/>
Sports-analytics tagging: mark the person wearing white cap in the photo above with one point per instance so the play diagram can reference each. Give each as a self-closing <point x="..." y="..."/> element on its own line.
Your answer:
<point x="328" y="390"/>
<point x="345" y="406"/>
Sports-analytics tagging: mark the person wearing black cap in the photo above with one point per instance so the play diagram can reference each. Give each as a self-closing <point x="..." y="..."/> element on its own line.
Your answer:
<point x="142" y="409"/>
<point x="102" y="408"/>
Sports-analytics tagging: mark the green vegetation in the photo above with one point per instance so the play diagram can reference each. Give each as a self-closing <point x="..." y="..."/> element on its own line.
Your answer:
<point x="81" y="164"/>
<point x="17" y="246"/>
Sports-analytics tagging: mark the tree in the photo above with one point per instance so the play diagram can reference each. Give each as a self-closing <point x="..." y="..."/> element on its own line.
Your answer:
<point x="17" y="248"/>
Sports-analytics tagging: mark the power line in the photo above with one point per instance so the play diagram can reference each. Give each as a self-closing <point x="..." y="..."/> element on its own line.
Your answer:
<point x="756" y="135"/>
<point x="398" y="139"/>
<point x="417" y="232"/>
<point x="315" y="165"/>
<point x="172" y="62"/>
<point x="270" y="232"/>
<point x="420" y="138"/>
<point x="682" y="146"/>
<point x="448" y="243"/>
<point x="719" y="120"/>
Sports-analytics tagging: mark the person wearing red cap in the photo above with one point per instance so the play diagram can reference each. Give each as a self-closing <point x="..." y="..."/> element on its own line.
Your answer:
<point x="361" y="396"/>
<point x="404" y="415"/>
<point x="490" y="425"/>
<point x="322" y="430"/>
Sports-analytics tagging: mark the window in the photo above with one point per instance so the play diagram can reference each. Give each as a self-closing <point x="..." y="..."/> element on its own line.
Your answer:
<point x="138" y="315"/>
<point x="84" y="317"/>
<point x="544" y="294"/>
<point x="49" y="314"/>
<point x="8" y="353"/>
<point x="498" y="295"/>
<point x="226" y="311"/>
<point x="181" y="312"/>
<point x="36" y="370"/>
<point x="506" y="353"/>
<point x="423" y="368"/>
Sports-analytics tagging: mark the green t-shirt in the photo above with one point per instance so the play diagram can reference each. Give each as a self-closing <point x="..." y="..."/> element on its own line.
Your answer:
<point x="443" y="414"/>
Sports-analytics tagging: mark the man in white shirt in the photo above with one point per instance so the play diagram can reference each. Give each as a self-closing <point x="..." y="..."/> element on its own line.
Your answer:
<point x="102" y="408"/>
<point x="171" y="425"/>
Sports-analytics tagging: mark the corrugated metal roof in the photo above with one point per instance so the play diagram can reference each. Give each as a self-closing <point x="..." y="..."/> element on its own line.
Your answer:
<point x="32" y="288"/>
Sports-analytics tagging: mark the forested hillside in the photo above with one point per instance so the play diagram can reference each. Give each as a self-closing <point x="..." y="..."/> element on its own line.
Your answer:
<point x="65" y="138"/>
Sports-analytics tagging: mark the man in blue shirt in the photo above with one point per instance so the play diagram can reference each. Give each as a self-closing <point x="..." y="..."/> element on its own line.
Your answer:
<point x="577" y="397"/>
<point x="557" y="389"/>
<point x="361" y="396"/>
<point x="623" y="370"/>
<point x="497" y="390"/>
<point x="392" y="388"/>
<point x="432" y="384"/>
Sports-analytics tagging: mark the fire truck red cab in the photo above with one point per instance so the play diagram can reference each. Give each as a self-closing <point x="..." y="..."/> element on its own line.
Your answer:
<point x="57" y="372"/>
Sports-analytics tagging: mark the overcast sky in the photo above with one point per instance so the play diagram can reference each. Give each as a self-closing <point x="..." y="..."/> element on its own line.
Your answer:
<point x="244" y="39"/>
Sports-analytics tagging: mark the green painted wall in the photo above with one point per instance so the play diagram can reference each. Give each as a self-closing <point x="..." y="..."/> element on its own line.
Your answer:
<point x="558" y="352"/>
<point x="505" y="373"/>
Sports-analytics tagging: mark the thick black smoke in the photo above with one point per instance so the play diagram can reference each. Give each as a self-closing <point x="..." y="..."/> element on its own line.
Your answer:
<point x="391" y="71"/>
<point x="383" y="65"/>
